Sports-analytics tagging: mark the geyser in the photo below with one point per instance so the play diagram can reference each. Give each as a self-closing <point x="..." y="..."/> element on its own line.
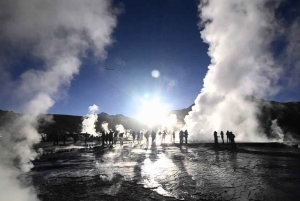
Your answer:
<point x="239" y="34"/>
<point x="57" y="34"/>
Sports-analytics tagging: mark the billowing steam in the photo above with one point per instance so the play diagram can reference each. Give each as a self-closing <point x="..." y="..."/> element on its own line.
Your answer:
<point x="120" y="128"/>
<point x="89" y="120"/>
<point x="276" y="131"/>
<point x="56" y="34"/>
<point x="239" y="34"/>
<point x="104" y="126"/>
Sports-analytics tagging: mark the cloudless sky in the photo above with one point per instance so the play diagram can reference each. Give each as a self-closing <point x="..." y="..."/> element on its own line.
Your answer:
<point x="151" y="35"/>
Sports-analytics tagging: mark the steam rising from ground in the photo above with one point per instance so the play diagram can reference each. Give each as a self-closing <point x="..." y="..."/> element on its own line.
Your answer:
<point x="239" y="34"/>
<point x="56" y="33"/>
<point x="120" y="128"/>
<point x="104" y="126"/>
<point x="89" y="120"/>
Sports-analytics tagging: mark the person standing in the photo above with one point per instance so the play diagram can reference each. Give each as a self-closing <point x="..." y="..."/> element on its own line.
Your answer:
<point x="216" y="139"/>
<point x="115" y="137"/>
<point x="103" y="138"/>
<point x="164" y="137"/>
<point x="232" y="142"/>
<point x="133" y="136"/>
<point x="153" y="135"/>
<point x="181" y="137"/>
<point x="121" y="135"/>
<point x="222" y="136"/>
<point x="186" y="134"/>
<point x="147" y="136"/>
<point x="173" y="137"/>
<point x="227" y="135"/>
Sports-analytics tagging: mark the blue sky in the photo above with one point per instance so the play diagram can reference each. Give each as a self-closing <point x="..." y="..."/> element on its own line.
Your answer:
<point x="151" y="35"/>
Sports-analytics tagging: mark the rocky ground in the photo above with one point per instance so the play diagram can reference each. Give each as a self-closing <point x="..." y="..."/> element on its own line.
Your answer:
<point x="169" y="172"/>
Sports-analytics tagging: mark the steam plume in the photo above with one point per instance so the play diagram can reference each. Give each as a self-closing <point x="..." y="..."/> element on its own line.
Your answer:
<point x="239" y="34"/>
<point x="88" y="123"/>
<point x="120" y="128"/>
<point x="56" y="33"/>
<point x="104" y="126"/>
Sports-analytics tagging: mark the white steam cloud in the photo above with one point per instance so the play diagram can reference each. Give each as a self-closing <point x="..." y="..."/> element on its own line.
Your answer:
<point x="57" y="34"/>
<point x="104" y="126"/>
<point x="89" y="120"/>
<point x="239" y="34"/>
<point x="120" y="128"/>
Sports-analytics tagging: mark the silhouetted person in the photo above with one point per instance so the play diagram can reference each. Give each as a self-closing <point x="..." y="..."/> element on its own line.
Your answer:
<point x="55" y="140"/>
<point x="115" y="137"/>
<point x="138" y="136"/>
<point x="186" y="134"/>
<point x="222" y="136"/>
<point x="103" y="138"/>
<point x="153" y="136"/>
<point x="133" y="136"/>
<point x="121" y="135"/>
<point x="216" y="139"/>
<point x="141" y="136"/>
<point x="227" y="135"/>
<point x="164" y="137"/>
<point x="111" y="137"/>
<point x="232" y="142"/>
<point x="173" y="137"/>
<point x="147" y="136"/>
<point x="181" y="137"/>
<point x="64" y="138"/>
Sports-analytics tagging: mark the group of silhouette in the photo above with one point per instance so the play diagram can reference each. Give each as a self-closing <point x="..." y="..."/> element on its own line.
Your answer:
<point x="230" y="138"/>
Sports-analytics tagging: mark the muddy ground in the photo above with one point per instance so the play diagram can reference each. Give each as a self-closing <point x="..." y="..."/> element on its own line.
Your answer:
<point x="261" y="171"/>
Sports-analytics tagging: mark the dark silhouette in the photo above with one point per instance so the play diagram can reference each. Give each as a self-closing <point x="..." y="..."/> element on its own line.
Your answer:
<point x="164" y="137"/>
<point x="216" y="139"/>
<point x="147" y="136"/>
<point x="227" y="135"/>
<point x="186" y="134"/>
<point x="103" y="138"/>
<point x="56" y="138"/>
<point x="138" y="136"/>
<point x="232" y="142"/>
<point x="153" y="135"/>
<point x="115" y="137"/>
<point x="121" y="135"/>
<point x="111" y="137"/>
<point x="181" y="137"/>
<point x="173" y="137"/>
<point x="222" y="136"/>
<point x="133" y="136"/>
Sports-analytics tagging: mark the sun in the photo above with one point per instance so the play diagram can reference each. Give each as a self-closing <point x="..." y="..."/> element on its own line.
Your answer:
<point x="152" y="112"/>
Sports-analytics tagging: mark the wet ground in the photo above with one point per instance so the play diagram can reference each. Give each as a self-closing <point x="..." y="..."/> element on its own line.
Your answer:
<point x="169" y="172"/>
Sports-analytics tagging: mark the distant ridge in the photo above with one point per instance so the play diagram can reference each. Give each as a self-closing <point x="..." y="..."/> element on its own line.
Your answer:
<point x="287" y="115"/>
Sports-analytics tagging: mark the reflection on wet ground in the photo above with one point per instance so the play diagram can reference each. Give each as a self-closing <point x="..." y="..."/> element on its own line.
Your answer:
<point x="168" y="172"/>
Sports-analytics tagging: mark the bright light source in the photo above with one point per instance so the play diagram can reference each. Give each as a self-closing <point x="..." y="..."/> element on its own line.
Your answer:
<point x="152" y="112"/>
<point x="155" y="73"/>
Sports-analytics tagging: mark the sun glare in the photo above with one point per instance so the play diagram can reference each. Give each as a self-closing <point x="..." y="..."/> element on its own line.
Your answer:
<point x="152" y="112"/>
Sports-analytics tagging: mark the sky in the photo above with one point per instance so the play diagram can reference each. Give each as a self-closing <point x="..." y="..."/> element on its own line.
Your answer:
<point x="162" y="35"/>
